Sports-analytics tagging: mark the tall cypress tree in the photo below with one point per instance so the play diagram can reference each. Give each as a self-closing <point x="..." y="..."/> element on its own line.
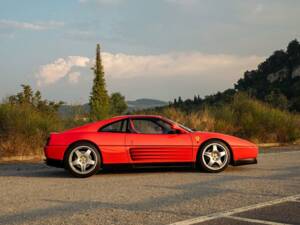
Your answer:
<point x="99" y="99"/>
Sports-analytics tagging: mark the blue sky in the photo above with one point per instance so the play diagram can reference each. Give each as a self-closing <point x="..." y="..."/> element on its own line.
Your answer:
<point x="157" y="49"/>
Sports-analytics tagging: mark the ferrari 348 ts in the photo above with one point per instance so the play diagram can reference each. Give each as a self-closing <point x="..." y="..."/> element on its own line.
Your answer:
<point x="139" y="140"/>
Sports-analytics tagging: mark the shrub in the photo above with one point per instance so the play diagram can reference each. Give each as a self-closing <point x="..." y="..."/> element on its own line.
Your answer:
<point x="24" y="129"/>
<point x="243" y="116"/>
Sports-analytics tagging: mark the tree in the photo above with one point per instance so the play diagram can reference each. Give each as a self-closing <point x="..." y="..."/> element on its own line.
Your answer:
<point x="28" y="97"/>
<point x="180" y="100"/>
<point x="118" y="104"/>
<point x="27" y="94"/>
<point x="277" y="99"/>
<point x="99" y="99"/>
<point x="293" y="50"/>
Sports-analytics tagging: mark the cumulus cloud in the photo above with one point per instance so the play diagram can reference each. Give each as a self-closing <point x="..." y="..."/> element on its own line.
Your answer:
<point x="53" y="72"/>
<point x="74" y="77"/>
<point x="11" y="24"/>
<point x="120" y="66"/>
<point x="176" y="64"/>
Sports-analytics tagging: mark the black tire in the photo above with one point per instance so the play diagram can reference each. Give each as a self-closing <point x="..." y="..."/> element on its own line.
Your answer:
<point x="84" y="159"/>
<point x="204" y="160"/>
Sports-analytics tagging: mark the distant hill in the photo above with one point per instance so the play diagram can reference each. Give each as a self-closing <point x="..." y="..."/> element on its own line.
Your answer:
<point x="276" y="81"/>
<point x="139" y="104"/>
<point x="145" y="103"/>
<point x="72" y="110"/>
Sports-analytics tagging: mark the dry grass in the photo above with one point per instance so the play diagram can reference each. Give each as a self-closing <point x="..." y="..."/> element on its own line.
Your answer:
<point x="24" y="130"/>
<point x="243" y="117"/>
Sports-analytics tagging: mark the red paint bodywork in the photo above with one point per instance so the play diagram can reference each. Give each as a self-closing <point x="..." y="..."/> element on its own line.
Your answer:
<point x="132" y="148"/>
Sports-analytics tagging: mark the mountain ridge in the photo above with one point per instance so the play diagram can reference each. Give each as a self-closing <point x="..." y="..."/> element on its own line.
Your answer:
<point x="138" y="104"/>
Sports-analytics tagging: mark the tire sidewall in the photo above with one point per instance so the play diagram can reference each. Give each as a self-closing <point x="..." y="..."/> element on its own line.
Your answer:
<point x="98" y="161"/>
<point x="200" y="158"/>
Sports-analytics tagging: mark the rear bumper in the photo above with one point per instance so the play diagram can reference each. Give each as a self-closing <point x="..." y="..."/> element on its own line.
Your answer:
<point x="244" y="162"/>
<point x="54" y="156"/>
<point x="55" y="152"/>
<point x="54" y="163"/>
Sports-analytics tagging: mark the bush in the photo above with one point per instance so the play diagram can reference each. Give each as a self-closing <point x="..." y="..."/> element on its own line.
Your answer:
<point x="243" y="117"/>
<point x="257" y="121"/>
<point x="24" y="129"/>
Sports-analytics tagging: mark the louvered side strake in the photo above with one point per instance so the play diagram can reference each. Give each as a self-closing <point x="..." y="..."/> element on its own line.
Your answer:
<point x="159" y="154"/>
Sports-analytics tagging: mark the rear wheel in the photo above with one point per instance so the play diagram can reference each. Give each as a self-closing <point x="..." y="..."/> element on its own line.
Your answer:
<point x="214" y="156"/>
<point x="83" y="160"/>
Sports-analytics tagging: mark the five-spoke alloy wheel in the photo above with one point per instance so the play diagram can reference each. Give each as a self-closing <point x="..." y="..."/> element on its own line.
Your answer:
<point x="83" y="160"/>
<point x="214" y="156"/>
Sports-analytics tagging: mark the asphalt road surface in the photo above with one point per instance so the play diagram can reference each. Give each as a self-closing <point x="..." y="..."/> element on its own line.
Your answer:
<point x="268" y="192"/>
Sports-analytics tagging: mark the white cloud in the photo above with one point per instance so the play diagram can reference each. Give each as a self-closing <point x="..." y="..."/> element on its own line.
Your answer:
<point x="74" y="77"/>
<point x="165" y="65"/>
<point x="11" y="24"/>
<point x="176" y="64"/>
<point x="53" y="72"/>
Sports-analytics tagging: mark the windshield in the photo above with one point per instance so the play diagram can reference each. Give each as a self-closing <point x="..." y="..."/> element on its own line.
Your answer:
<point x="182" y="126"/>
<point x="185" y="128"/>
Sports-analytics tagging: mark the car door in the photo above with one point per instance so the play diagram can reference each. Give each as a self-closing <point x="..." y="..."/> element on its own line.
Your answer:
<point x="111" y="141"/>
<point x="151" y="140"/>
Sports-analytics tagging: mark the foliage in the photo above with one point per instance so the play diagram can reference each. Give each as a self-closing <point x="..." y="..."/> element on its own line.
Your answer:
<point x="99" y="99"/>
<point x="274" y="77"/>
<point x="118" y="104"/>
<point x="26" y="121"/>
<point x="27" y="97"/>
<point x="249" y="118"/>
<point x="243" y="116"/>
<point x="277" y="99"/>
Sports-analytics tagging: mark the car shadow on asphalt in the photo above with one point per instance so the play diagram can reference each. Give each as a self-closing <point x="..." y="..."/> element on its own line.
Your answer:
<point x="42" y="171"/>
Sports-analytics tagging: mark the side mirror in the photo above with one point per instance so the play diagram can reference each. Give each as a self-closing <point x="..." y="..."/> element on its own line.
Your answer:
<point x="176" y="129"/>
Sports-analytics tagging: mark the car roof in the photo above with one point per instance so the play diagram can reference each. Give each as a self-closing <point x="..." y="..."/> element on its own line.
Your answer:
<point x="92" y="127"/>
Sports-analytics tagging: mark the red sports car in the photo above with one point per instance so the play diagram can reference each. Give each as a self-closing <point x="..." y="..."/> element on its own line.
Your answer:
<point x="140" y="140"/>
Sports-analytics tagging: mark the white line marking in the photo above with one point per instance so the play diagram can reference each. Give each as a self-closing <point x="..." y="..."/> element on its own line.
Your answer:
<point x="254" y="220"/>
<point x="234" y="211"/>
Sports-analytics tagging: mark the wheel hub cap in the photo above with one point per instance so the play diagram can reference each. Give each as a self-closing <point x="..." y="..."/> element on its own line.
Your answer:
<point x="83" y="159"/>
<point x="215" y="156"/>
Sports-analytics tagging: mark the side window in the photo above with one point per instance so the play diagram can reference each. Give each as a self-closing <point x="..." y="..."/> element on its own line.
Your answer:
<point x="116" y="127"/>
<point x="146" y="126"/>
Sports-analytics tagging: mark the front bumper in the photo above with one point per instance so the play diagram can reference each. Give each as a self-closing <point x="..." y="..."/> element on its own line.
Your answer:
<point x="244" y="162"/>
<point x="244" y="152"/>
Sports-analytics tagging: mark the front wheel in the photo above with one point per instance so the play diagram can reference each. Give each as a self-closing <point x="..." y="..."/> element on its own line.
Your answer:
<point x="83" y="160"/>
<point x="214" y="156"/>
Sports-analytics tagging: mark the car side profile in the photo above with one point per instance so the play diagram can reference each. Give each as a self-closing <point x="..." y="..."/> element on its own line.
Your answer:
<point x="144" y="140"/>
